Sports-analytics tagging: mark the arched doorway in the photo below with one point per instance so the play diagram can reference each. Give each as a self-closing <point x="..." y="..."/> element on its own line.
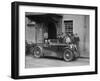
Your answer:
<point x="52" y="31"/>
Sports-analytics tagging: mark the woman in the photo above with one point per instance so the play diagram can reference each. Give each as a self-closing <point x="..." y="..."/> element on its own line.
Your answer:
<point x="67" y="39"/>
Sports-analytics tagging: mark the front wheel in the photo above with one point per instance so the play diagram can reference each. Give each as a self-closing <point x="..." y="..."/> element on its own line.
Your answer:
<point x="37" y="51"/>
<point x="68" y="55"/>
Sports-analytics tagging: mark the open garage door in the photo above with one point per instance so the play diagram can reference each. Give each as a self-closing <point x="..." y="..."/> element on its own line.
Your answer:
<point x="52" y="31"/>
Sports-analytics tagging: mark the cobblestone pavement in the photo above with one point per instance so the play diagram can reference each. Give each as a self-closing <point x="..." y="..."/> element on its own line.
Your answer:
<point x="31" y="62"/>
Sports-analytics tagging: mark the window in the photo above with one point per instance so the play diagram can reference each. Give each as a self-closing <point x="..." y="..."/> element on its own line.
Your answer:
<point x="68" y="26"/>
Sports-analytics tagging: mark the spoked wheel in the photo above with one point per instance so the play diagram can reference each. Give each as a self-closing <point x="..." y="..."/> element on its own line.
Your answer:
<point x="68" y="55"/>
<point x="37" y="52"/>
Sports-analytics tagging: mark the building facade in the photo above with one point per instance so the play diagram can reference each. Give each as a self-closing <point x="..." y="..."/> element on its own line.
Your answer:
<point x="37" y="25"/>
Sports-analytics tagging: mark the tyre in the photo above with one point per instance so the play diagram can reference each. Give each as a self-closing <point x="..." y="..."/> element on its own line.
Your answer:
<point x="37" y="52"/>
<point x="68" y="55"/>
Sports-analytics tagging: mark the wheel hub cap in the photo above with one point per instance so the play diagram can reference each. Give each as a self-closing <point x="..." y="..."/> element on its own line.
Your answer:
<point x="37" y="52"/>
<point x="67" y="55"/>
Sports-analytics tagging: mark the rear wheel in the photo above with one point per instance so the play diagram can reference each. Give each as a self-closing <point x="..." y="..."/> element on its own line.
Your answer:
<point x="37" y="52"/>
<point x="68" y="55"/>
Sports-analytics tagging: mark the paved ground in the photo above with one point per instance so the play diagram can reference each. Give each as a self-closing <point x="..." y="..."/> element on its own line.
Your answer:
<point x="31" y="62"/>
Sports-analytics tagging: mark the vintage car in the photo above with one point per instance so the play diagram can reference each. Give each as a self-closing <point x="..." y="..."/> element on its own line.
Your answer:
<point x="68" y="52"/>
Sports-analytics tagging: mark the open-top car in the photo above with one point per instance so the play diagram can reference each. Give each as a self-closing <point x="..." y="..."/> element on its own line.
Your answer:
<point x="53" y="47"/>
